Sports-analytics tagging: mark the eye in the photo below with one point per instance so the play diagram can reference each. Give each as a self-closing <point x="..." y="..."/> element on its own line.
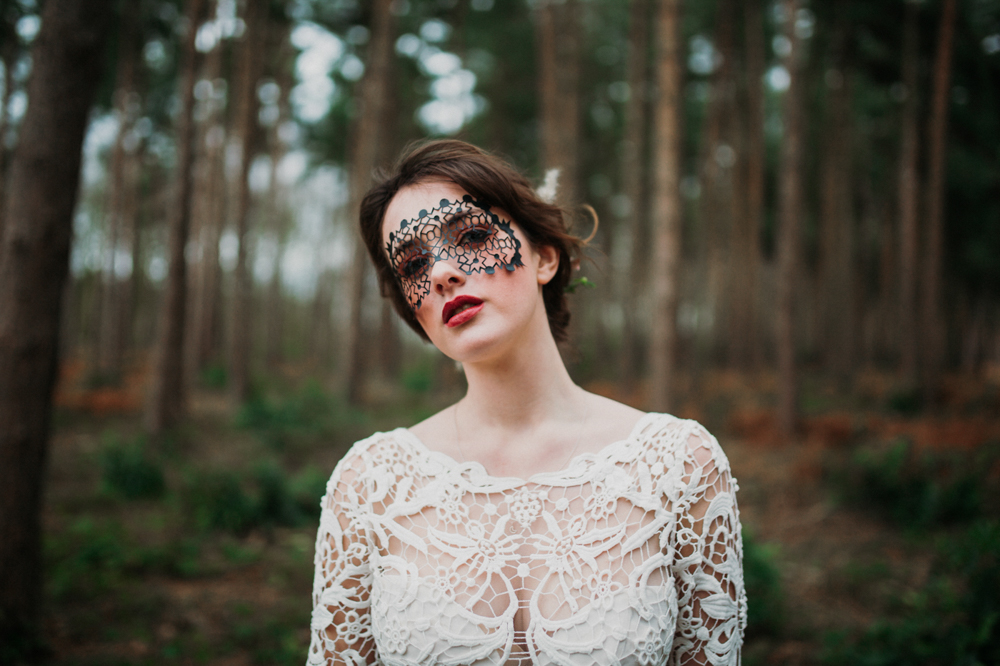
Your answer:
<point x="475" y="236"/>
<point x="413" y="266"/>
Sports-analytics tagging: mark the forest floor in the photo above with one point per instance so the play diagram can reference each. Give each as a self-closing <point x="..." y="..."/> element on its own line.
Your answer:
<point x="198" y="548"/>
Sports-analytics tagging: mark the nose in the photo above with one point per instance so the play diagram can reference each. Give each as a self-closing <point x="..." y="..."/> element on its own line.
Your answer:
<point x="445" y="276"/>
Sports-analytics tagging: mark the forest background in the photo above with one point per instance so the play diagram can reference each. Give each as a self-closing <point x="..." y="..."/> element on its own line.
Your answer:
<point x="799" y="244"/>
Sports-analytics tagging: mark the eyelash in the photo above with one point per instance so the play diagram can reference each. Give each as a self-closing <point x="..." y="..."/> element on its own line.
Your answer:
<point x="413" y="266"/>
<point x="465" y="237"/>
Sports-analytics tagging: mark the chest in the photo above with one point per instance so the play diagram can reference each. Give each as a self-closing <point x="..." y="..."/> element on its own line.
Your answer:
<point x="523" y="573"/>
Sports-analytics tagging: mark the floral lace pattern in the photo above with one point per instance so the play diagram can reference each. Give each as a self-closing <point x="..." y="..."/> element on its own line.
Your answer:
<point x="629" y="556"/>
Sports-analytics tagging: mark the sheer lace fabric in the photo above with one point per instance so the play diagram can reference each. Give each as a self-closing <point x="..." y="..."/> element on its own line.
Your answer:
<point x="628" y="556"/>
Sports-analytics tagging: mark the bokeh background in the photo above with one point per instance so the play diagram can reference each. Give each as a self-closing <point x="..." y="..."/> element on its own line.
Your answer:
<point x="799" y="245"/>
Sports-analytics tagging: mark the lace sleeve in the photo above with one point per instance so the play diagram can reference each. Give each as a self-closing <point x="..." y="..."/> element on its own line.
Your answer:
<point x="709" y="560"/>
<point x="341" y="624"/>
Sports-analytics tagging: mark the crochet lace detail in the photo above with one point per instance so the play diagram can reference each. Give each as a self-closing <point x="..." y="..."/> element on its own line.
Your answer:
<point x="631" y="555"/>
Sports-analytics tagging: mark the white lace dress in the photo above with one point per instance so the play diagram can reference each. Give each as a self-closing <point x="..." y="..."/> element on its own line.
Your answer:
<point x="631" y="555"/>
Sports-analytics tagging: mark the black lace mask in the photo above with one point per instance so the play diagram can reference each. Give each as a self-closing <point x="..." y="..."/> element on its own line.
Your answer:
<point x="478" y="241"/>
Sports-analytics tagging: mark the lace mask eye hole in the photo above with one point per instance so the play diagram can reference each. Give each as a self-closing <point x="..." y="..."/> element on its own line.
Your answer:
<point x="475" y="235"/>
<point x="414" y="264"/>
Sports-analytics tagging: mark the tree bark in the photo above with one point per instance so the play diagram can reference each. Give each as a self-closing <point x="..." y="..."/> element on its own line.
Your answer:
<point x="666" y="204"/>
<point x="210" y="212"/>
<point x="248" y="131"/>
<point x="8" y="53"/>
<point x="836" y="302"/>
<point x="167" y="405"/>
<point x="557" y="43"/>
<point x="789" y="216"/>
<point x="110" y="343"/>
<point x="365" y="152"/>
<point x="633" y="173"/>
<point x="746" y="349"/>
<point x="907" y="200"/>
<point x="932" y="326"/>
<point x="717" y="211"/>
<point x="34" y="261"/>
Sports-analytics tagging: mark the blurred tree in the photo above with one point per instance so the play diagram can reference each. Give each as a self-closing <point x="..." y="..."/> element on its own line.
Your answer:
<point x="209" y="214"/>
<point x="666" y="204"/>
<point x="790" y="211"/>
<point x="633" y="175"/>
<point x="367" y="141"/>
<point x="167" y="405"/>
<point x="248" y="130"/>
<point x="115" y="314"/>
<point x="557" y="43"/>
<point x="907" y="197"/>
<point x="745" y="348"/>
<point x="11" y="49"/>
<point x="44" y="177"/>
<point x="836" y="304"/>
<point x="934" y="342"/>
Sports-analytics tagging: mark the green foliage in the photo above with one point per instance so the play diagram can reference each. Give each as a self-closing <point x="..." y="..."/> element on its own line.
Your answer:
<point x="214" y="376"/>
<point x="907" y="401"/>
<point x="765" y="602"/>
<point x="271" y="640"/>
<point x="579" y="282"/>
<point x="953" y="621"/>
<point x="917" y="491"/>
<point x="129" y="471"/>
<point x="85" y="560"/>
<point x="218" y="500"/>
<point x="301" y="418"/>
<point x="418" y="379"/>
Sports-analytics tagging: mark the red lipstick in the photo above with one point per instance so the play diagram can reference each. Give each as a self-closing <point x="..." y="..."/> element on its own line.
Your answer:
<point x="460" y="309"/>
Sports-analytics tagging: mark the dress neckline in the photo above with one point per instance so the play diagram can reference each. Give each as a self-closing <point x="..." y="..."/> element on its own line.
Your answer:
<point x="479" y="470"/>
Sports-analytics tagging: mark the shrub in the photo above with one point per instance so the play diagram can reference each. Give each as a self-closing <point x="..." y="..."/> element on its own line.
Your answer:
<point x="953" y="621"/>
<point x="129" y="471"/>
<point x="302" y="417"/>
<point x="765" y="604"/>
<point x="216" y="500"/>
<point x="917" y="491"/>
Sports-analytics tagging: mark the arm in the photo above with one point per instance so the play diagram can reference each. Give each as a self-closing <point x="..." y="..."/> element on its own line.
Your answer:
<point x="708" y="566"/>
<point x="341" y="623"/>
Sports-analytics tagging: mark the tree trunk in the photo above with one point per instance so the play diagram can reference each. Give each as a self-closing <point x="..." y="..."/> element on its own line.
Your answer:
<point x="789" y="216"/>
<point x="34" y="260"/>
<point x="248" y="130"/>
<point x="745" y="349"/>
<point x="110" y="347"/>
<point x="908" y="187"/>
<point x="210" y="211"/>
<point x="557" y="43"/>
<point x="836" y="302"/>
<point x="666" y="204"/>
<point x="932" y="326"/>
<point x="167" y="405"/>
<point x="8" y="53"/>
<point x="633" y="173"/>
<point x="365" y="152"/>
<point x="717" y="212"/>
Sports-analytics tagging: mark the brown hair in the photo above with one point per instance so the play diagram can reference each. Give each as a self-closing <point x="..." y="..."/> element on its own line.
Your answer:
<point x="487" y="178"/>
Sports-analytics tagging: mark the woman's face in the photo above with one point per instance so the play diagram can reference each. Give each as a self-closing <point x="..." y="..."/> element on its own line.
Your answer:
<point x="467" y="271"/>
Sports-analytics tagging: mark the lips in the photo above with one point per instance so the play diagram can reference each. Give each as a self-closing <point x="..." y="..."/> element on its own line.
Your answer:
<point x="460" y="310"/>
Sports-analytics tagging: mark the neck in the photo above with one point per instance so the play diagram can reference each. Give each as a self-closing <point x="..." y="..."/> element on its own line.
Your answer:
<point x="522" y="388"/>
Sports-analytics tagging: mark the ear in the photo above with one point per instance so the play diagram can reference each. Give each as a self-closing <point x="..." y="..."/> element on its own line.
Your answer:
<point x="548" y="263"/>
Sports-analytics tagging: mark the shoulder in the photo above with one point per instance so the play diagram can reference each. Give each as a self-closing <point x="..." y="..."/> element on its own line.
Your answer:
<point x="684" y="438"/>
<point x="365" y="457"/>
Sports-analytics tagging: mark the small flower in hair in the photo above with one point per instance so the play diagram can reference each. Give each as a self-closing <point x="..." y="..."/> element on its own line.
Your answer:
<point x="550" y="185"/>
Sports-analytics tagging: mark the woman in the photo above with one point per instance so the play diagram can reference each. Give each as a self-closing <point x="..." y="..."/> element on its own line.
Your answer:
<point x="532" y="521"/>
